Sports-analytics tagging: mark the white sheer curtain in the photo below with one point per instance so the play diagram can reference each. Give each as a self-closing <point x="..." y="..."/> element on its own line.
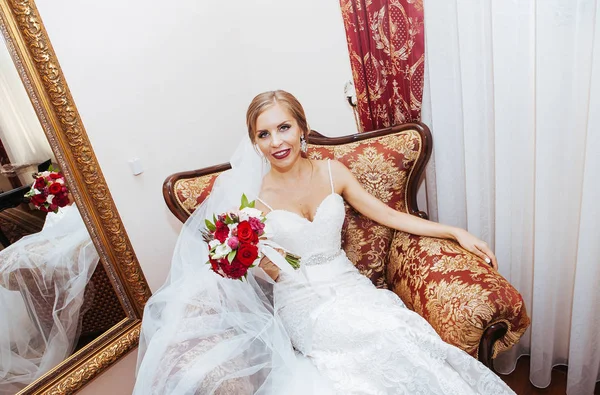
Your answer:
<point x="513" y="101"/>
<point x="20" y="130"/>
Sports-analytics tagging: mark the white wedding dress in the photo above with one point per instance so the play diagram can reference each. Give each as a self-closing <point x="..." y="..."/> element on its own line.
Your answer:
<point x="361" y="338"/>
<point x="203" y="334"/>
<point x="43" y="278"/>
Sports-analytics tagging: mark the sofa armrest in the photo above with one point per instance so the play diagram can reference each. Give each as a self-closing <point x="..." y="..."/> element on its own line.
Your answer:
<point x="456" y="292"/>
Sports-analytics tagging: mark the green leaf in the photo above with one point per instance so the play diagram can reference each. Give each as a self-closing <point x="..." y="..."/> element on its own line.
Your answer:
<point x="228" y="220"/>
<point x="231" y="256"/>
<point x="251" y="204"/>
<point x="244" y="201"/>
<point x="210" y="226"/>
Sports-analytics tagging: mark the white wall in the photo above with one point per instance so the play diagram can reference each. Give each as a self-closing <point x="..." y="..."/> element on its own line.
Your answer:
<point x="169" y="82"/>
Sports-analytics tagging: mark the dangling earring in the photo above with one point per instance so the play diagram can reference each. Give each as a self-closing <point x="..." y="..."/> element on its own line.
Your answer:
<point x="303" y="145"/>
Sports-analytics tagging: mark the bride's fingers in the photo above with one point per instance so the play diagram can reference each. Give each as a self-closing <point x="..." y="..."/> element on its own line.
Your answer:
<point x="475" y="250"/>
<point x="489" y="255"/>
<point x="265" y="263"/>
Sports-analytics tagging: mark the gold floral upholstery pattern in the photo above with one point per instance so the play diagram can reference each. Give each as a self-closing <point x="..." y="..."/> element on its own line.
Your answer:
<point x="190" y="192"/>
<point x="455" y="291"/>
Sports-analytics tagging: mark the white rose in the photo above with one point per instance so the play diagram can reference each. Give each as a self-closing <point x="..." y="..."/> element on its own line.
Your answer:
<point x="213" y="243"/>
<point x="49" y="199"/>
<point x="252" y="212"/>
<point x="222" y="251"/>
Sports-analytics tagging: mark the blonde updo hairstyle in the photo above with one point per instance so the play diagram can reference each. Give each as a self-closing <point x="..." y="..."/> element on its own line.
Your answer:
<point x="265" y="100"/>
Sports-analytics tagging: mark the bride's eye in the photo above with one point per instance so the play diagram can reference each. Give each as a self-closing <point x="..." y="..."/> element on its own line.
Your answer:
<point x="262" y="134"/>
<point x="285" y="127"/>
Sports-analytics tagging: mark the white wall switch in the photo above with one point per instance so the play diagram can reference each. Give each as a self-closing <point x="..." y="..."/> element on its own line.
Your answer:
<point x="136" y="166"/>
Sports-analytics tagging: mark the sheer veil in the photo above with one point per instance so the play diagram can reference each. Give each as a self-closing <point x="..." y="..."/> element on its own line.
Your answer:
<point x="205" y="334"/>
<point x="43" y="278"/>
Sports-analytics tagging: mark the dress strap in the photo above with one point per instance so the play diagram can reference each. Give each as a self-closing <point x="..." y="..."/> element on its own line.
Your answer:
<point x="265" y="203"/>
<point x="330" y="177"/>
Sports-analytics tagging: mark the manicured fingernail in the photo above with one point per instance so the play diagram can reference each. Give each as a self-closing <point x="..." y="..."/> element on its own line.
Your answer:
<point x="488" y="260"/>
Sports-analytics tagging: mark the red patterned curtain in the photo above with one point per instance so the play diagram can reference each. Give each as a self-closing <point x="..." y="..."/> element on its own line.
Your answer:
<point x="386" y="43"/>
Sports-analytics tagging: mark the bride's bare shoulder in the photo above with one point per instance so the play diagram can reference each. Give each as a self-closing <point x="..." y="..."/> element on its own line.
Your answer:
<point x="339" y="172"/>
<point x="337" y="167"/>
<point x="323" y="163"/>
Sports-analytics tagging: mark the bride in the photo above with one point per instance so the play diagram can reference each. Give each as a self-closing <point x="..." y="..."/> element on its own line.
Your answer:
<point x="324" y="329"/>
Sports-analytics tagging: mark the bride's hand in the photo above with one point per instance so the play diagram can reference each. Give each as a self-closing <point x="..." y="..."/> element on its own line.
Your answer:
<point x="269" y="267"/>
<point x="476" y="246"/>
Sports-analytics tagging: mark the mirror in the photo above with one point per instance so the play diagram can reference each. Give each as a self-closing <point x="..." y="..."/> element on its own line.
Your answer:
<point x="71" y="290"/>
<point x="55" y="297"/>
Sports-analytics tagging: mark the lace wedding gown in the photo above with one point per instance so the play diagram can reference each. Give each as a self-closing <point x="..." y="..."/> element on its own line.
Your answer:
<point x="203" y="334"/>
<point x="361" y="338"/>
<point x="42" y="283"/>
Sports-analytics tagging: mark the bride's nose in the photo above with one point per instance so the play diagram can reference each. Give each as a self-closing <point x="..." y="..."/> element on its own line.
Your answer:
<point x="275" y="140"/>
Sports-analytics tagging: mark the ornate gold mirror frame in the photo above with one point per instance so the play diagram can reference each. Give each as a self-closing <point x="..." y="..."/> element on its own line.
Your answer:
<point x="34" y="57"/>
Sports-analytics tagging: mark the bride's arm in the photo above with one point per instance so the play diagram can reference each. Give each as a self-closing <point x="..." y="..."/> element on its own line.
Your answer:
<point x="369" y="206"/>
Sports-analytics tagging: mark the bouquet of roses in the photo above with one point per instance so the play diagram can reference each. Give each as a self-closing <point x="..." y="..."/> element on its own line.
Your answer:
<point x="235" y="239"/>
<point x="49" y="191"/>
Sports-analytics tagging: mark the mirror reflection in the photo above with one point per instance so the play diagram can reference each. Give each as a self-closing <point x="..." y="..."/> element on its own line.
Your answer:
<point x="55" y="296"/>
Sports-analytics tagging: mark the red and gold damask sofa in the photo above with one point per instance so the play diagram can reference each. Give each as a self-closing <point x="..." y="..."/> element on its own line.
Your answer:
<point x="468" y="303"/>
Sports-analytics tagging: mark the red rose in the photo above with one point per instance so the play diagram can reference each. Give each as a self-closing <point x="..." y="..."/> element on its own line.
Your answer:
<point x="61" y="200"/>
<point x="246" y="254"/>
<point x="245" y="234"/>
<point x="235" y="269"/>
<point x="222" y="231"/>
<point x="38" y="200"/>
<point x="55" y="176"/>
<point x="40" y="183"/>
<point x="55" y="188"/>
<point x="214" y="264"/>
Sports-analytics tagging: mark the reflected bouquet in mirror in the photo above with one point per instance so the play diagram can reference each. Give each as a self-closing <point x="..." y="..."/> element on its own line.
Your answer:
<point x="237" y="240"/>
<point x="49" y="191"/>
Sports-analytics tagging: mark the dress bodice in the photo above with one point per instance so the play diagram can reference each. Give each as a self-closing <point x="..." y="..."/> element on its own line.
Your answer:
<point x="311" y="240"/>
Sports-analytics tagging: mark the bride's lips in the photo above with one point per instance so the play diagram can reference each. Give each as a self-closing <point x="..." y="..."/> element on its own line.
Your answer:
<point x="281" y="154"/>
